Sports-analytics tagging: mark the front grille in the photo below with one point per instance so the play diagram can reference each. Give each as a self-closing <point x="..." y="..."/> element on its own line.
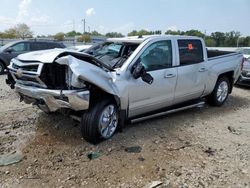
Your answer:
<point x="28" y="79"/>
<point x="26" y="73"/>
<point x="246" y="74"/>
<point x="54" y="76"/>
<point x="29" y="68"/>
<point x="45" y="75"/>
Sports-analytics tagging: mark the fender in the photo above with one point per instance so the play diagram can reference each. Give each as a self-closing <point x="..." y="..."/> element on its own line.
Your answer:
<point x="84" y="71"/>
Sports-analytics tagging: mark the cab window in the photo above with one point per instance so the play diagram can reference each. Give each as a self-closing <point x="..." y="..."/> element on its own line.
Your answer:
<point x="157" y="56"/>
<point x="191" y="52"/>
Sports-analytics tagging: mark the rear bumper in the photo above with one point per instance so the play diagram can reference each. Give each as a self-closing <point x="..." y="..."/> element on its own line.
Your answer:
<point x="54" y="99"/>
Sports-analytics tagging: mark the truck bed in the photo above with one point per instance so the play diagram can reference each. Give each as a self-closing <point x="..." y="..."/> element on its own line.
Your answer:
<point x="217" y="53"/>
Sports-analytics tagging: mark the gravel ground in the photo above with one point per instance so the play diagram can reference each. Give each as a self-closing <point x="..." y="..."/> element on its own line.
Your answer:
<point x="202" y="147"/>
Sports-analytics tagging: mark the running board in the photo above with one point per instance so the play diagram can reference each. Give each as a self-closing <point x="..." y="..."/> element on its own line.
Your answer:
<point x="200" y="104"/>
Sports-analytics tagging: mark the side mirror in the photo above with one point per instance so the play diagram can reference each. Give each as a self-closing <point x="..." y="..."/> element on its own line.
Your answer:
<point x="9" y="50"/>
<point x="138" y="71"/>
<point x="147" y="78"/>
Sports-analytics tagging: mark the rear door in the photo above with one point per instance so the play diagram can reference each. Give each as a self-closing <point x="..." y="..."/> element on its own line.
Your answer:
<point x="192" y="71"/>
<point x="158" y="60"/>
<point x="42" y="45"/>
<point x="34" y="46"/>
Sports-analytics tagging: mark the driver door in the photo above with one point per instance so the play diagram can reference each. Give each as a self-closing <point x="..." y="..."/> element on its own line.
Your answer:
<point x="157" y="58"/>
<point x="17" y="49"/>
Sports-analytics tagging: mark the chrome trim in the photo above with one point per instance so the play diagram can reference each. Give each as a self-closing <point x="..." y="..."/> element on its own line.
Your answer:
<point x="28" y="74"/>
<point x="39" y="84"/>
<point x="200" y="104"/>
<point x="21" y="64"/>
<point x="222" y="91"/>
<point x="76" y="99"/>
<point x="108" y="121"/>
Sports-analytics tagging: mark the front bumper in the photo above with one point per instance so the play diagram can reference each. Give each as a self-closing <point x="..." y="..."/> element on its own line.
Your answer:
<point x="54" y="99"/>
<point x="244" y="79"/>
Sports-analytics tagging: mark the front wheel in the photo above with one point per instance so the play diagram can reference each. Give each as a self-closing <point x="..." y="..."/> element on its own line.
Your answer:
<point x="220" y="92"/>
<point x="100" y="122"/>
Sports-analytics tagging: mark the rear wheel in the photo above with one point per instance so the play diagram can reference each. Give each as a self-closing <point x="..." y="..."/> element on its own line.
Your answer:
<point x="2" y="68"/>
<point x="100" y="122"/>
<point x="220" y="92"/>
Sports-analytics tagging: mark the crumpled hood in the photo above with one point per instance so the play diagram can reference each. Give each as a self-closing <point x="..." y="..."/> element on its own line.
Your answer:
<point x="85" y="71"/>
<point x="45" y="56"/>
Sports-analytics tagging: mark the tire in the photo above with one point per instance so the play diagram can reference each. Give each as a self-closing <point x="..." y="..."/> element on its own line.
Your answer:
<point x="2" y="68"/>
<point x="220" y="92"/>
<point x="92" y="122"/>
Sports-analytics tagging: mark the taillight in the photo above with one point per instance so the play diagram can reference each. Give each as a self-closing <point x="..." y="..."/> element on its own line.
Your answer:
<point x="242" y="63"/>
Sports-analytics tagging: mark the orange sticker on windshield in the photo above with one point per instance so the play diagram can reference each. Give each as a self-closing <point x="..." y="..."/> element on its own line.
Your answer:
<point x="190" y="46"/>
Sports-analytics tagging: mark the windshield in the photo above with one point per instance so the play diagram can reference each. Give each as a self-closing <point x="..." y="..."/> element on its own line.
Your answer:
<point x="111" y="53"/>
<point x="7" y="46"/>
<point x="110" y="49"/>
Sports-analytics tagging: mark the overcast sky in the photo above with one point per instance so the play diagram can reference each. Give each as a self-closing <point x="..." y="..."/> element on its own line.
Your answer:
<point x="52" y="16"/>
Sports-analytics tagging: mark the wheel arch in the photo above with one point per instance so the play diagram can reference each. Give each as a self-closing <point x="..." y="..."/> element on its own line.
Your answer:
<point x="97" y="94"/>
<point x="230" y="76"/>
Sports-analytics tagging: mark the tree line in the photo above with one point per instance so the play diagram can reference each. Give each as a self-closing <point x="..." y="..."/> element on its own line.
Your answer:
<point x="215" y="39"/>
<point x="86" y="37"/>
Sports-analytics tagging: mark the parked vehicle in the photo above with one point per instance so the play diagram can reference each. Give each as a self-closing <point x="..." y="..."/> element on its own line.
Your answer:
<point x="16" y="48"/>
<point x="245" y="51"/>
<point x="80" y="48"/>
<point x="125" y="79"/>
<point x="245" y="75"/>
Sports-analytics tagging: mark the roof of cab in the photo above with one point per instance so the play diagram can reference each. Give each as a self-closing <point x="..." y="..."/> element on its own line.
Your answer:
<point x="140" y="39"/>
<point x="134" y="39"/>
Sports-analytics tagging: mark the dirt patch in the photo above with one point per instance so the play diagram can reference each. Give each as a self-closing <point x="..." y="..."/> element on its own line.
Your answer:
<point x="202" y="147"/>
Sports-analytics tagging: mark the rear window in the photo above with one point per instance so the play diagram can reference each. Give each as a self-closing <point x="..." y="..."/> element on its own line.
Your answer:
<point x="56" y="45"/>
<point x="191" y="52"/>
<point x="44" y="45"/>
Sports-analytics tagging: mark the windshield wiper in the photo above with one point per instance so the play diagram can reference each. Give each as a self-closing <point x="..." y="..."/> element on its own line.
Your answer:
<point x="91" y="59"/>
<point x="101" y="64"/>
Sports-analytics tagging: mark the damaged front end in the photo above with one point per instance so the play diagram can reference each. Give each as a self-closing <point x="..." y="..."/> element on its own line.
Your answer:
<point x="61" y="83"/>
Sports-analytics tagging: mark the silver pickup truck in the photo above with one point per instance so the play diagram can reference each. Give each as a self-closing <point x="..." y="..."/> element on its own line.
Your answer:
<point x="125" y="79"/>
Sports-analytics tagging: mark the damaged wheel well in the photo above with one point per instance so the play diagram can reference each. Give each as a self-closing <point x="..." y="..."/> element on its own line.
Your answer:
<point x="97" y="94"/>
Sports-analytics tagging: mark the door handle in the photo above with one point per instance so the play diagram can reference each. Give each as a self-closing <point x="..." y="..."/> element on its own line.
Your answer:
<point x="169" y="75"/>
<point x="203" y="69"/>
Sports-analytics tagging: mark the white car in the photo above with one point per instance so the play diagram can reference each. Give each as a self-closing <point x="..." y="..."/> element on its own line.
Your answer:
<point x="245" y="51"/>
<point x="80" y="48"/>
